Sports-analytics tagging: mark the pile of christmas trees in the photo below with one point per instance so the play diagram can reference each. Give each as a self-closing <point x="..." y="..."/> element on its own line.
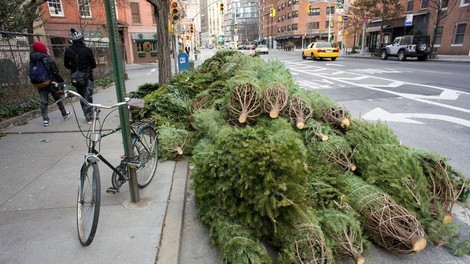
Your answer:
<point x="277" y="164"/>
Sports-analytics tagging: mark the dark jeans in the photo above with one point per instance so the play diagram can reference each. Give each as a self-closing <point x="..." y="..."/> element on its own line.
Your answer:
<point x="87" y="93"/>
<point x="44" y="98"/>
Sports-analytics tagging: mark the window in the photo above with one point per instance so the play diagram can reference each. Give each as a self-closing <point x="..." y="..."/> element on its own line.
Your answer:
<point x="84" y="8"/>
<point x="331" y="24"/>
<point x="424" y="4"/>
<point x="135" y="12"/>
<point x="315" y="12"/>
<point x="409" y="7"/>
<point x="330" y="10"/>
<point x="55" y="8"/>
<point x="438" y="37"/>
<point x="295" y="14"/>
<point x="295" y="26"/>
<point x="459" y="33"/>
<point x="313" y="25"/>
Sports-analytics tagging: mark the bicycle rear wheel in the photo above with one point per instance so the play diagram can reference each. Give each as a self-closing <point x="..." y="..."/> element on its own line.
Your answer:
<point x="146" y="153"/>
<point x="88" y="202"/>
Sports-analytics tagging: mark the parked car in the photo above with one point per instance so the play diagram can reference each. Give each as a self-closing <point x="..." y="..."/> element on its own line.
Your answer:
<point x="320" y="50"/>
<point x="407" y="46"/>
<point x="262" y="49"/>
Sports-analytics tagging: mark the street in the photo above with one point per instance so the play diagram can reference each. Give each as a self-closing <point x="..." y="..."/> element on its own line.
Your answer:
<point x="425" y="103"/>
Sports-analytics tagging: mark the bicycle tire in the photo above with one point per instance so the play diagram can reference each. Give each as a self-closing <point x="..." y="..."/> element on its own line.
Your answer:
<point x="88" y="202"/>
<point x="145" y="147"/>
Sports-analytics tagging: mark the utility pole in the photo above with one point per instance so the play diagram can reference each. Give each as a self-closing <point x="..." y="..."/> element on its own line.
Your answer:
<point x="118" y="69"/>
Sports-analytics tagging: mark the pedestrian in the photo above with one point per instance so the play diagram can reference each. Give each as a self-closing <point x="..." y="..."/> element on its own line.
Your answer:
<point x="79" y="57"/>
<point x="39" y="55"/>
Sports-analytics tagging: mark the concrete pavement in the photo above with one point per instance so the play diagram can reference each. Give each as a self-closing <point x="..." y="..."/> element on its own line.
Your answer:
<point x="38" y="185"/>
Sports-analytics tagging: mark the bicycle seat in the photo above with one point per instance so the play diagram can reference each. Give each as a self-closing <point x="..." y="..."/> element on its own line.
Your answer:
<point x="135" y="103"/>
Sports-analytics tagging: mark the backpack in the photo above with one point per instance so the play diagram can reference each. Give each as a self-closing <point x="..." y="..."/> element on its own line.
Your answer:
<point x="79" y="78"/>
<point x="38" y="74"/>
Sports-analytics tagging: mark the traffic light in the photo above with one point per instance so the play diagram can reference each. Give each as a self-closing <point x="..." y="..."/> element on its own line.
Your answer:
<point x="309" y="9"/>
<point x="174" y="12"/>
<point x="235" y="27"/>
<point x="272" y="12"/>
<point x="340" y="4"/>
<point x="191" y="28"/>
<point x="332" y="24"/>
<point x="222" y="9"/>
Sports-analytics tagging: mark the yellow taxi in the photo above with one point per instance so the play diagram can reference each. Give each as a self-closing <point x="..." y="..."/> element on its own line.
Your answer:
<point x="320" y="50"/>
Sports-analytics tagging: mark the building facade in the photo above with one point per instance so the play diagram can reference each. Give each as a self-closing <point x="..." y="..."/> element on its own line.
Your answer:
<point x="297" y="24"/>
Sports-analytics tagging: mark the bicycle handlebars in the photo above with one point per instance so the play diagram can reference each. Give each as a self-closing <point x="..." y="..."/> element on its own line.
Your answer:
<point x="132" y="102"/>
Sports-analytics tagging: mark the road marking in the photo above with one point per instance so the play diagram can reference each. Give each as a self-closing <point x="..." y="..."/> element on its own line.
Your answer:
<point x="403" y="95"/>
<point x="380" y="114"/>
<point x="152" y="71"/>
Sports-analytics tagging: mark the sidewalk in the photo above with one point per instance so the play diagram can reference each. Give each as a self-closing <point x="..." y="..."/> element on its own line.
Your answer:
<point x="38" y="187"/>
<point x="440" y="57"/>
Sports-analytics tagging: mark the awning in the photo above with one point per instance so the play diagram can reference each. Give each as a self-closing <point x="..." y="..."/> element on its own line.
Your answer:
<point x="375" y="29"/>
<point x="144" y="35"/>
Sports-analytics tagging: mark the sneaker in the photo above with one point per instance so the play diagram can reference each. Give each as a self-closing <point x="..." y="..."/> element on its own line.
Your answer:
<point x="66" y="116"/>
<point x="46" y="123"/>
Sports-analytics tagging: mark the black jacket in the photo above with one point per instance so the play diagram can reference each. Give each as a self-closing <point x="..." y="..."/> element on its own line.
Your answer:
<point x="49" y="63"/>
<point x="86" y="59"/>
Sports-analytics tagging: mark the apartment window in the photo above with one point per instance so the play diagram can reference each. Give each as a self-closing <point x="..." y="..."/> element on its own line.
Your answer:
<point x="135" y="13"/>
<point x="438" y="36"/>
<point x="313" y="25"/>
<point x="330" y="24"/>
<point x="295" y="26"/>
<point x="295" y="14"/>
<point x="424" y="4"/>
<point x="295" y="2"/>
<point x="288" y="27"/>
<point x="55" y="8"/>
<point x="315" y="12"/>
<point x="409" y="7"/>
<point x="84" y="8"/>
<point x="459" y="33"/>
<point x="330" y="10"/>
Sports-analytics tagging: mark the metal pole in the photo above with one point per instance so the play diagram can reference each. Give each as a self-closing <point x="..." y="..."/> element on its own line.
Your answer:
<point x="329" y="22"/>
<point x="363" y="34"/>
<point x="111" y="19"/>
<point x="175" y="48"/>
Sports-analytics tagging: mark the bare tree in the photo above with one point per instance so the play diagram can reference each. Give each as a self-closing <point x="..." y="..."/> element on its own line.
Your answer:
<point x="438" y="11"/>
<point x="354" y="22"/>
<point x="20" y="15"/>
<point x="384" y="10"/>
<point x="162" y="14"/>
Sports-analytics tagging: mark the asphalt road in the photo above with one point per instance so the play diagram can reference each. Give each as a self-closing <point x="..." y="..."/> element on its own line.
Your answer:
<point x="425" y="103"/>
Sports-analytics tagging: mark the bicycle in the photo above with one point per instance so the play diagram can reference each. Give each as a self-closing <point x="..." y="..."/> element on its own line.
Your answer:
<point x="145" y="159"/>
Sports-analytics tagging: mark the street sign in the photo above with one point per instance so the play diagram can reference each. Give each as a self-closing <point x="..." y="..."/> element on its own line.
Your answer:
<point x="409" y="20"/>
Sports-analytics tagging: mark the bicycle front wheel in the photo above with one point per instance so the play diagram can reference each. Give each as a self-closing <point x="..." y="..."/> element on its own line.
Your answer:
<point x="88" y="202"/>
<point x="146" y="154"/>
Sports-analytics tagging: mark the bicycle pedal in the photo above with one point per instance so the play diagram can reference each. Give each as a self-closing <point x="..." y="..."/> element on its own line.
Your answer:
<point x="112" y="190"/>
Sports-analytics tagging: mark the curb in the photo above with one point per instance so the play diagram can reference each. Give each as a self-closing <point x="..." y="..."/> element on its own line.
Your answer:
<point x="172" y="229"/>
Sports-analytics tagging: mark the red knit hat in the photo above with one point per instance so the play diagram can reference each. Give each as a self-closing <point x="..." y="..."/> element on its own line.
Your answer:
<point x="39" y="47"/>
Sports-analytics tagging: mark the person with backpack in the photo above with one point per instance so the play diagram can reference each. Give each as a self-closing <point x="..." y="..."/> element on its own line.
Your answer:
<point x="80" y="60"/>
<point x="45" y="76"/>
